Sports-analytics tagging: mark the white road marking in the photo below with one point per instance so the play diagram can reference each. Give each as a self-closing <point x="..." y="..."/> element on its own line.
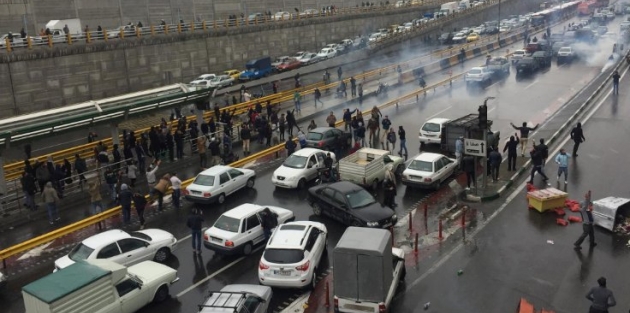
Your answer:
<point x="532" y="84"/>
<point x="438" y="113"/>
<point x="516" y="193"/>
<point x="35" y="252"/>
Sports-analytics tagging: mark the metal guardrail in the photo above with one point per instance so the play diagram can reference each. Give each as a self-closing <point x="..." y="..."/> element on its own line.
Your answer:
<point x="123" y="32"/>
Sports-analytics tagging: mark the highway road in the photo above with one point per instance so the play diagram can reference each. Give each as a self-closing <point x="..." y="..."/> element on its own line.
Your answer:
<point x="533" y="100"/>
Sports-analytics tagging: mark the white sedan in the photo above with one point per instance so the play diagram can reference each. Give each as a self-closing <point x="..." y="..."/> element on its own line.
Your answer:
<point x="300" y="167"/>
<point x="428" y="170"/>
<point x="218" y="182"/>
<point x="327" y="53"/>
<point x="293" y="254"/>
<point x="238" y="230"/>
<point x="203" y="79"/>
<point x="282" y="16"/>
<point x="121" y="247"/>
<point x="308" y="58"/>
<point x="221" y="81"/>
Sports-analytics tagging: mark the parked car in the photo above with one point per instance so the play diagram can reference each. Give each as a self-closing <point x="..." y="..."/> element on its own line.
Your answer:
<point x="281" y="16"/>
<point x="278" y="61"/>
<point x="327" y="53"/>
<point x="472" y="37"/>
<point x="221" y="81"/>
<point x="256" y="18"/>
<point x="203" y="78"/>
<point x="328" y="138"/>
<point x="309" y="58"/>
<point x="238" y="298"/>
<point x="429" y="170"/>
<point x="347" y="44"/>
<point x="122" y="247"/>
<point x="431" y="131"/>
<point x="299" y="54"/>
<point x="289" y="64"/>
<point x="300" y="168"/>
<point x="218" y="182"/>
<point x="232" y="73"/>
<point x="350" y="204"/>
<point x="238" y="230"/>
<point x="459" y="37"/>
<point x="375" y="37"/>
<point x="543" y="58"/>
<point x="292" y="255"/>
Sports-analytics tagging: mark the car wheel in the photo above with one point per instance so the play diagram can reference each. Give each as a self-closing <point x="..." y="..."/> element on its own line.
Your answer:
<point x="302" y="183"/>
<point x="247" y="249"/>
<point x="250" y="183"/>
<point x="221" y="198"/>
<point x="317" y="210"/>
<point x="400" y="169"/>
<point x="161" y="255"/>
<point x="161" y="294"/>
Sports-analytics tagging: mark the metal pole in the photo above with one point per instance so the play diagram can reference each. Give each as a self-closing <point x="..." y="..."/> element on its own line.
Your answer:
<point x="485" y="163"/>
<point x="499" y="24"/>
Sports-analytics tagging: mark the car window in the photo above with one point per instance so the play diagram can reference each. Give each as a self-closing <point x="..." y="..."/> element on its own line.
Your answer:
<point x="320" y="157"/>
<point x="312" y="161"/>
<point x="235" y="173"/>
<point x="314" y="136"/>
<point x="337" y="132"/>
<point x="108" y="251"/>
<point x="312" y="238"/>
<point x="126" y="286"/>
<point x="80" y="252"/>
<point x="227" y="223"/>
<point x="295" y="161"/>
<point x="360" y="198"/>
<point x="434" y="127"/>
<point x="329" y="134"/>
<point x="224" y="178"/>
<point x="339" y="198"/>
<point x="283" y="256"/>
<point x="328" y="193"/>
<point x="422" y="166"/>
<point x="250" y="305"/>
<point x="438" y="165"/>
<point x="204" y="180"/>
<point x="252" y="222"/>
<point x="446" y="161"/>
<point x="130" y="244"/>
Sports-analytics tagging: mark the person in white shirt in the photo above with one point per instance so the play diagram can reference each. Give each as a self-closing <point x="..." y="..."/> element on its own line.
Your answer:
<point x="151" y="175"/>
<point x="131" y="173"/>
<point x="176" y="184"/>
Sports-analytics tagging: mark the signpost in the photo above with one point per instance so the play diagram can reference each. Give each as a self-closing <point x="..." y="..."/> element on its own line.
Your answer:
<point x="474" y="147"/>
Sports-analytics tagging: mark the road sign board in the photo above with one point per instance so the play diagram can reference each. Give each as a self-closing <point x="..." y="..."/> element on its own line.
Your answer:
<point x="474" y="147"/>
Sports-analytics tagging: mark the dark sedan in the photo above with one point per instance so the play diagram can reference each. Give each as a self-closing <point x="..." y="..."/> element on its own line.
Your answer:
<point x="328" y="138"/>
<point x="350" y="204"/>
<point x="526" y="65"/>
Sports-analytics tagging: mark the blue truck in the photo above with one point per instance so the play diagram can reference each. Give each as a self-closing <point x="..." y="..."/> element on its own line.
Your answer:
<point x="255" y="69"/>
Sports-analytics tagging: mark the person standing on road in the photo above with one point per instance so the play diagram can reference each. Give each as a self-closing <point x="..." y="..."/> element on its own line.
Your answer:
<point x="615" y="77"/>
<point x="587" y="223"/>
<point x="544" y="151"/>
<point x="403" y="141"/>
<point x="601" y="297"/>
<point x="562" y="159"/>
<point x="160" y="189"/>
<point x="201" y="149"/>
<point x="331" y="119"/>
<point x="360" y="91"/>
<point x="290" y="146"/>
<point x="468" y="166"/>
<point x="246" y="136"/>
<point x="386" y="123"/>
<point x="94" y="187"/>
<point x="281" y="128"/>
<point x="347" y="119"/>
<point x="124" y="198"/>
<point x="389" y="193"/>
<point x="537" y="162"/>
<point x="318" y="96"/>
<point x="274" y="86"/>
<point x="176" y="184"/>
<point x="495" y="164"/>
<point x="195" y="222"/>
<point x="339" y="73"/>
<point x="578" y="137"/>
<point x="80" y="167"/>
<point x="510" y="146"/>
<point x="391" y="138"/>
<point x="269" y="222"/>
<point x="524" y="130"/>
<point x="140" y="202"/>
<point x="215" y="151"/>
<point x="50" y="198"/>
<point x="111" y="180"/>
<point x="353" y="86"/>
<point x="297" y="98"/>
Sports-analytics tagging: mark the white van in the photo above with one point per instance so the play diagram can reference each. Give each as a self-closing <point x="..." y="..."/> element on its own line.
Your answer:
<point x="431" y="131"/>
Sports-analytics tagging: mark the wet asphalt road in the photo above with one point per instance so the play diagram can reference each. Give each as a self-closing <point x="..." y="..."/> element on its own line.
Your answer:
<point x="532" y="99"/>
<point x="511" y="257"/>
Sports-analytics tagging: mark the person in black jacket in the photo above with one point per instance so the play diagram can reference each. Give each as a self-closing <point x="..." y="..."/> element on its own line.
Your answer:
<point x="578" y="137"/>
<point x="290" y="146"/>
<point x="124" y="198"/>
<point x="544" y="151"/>
<point x="268" y="223"/>
<point x="140" y="202"/>
<point x="389" y="193"/>
<point x="510" y="146"/>
<point x="195" y="222"/>
<point x="29" y="188"/>
<point x="537" y="162"/>
<point x="495" y="164"/>
<point x="468" y="166"/>
<point x="246" y="136"/>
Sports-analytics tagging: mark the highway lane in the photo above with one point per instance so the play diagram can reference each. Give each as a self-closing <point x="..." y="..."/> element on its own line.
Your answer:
<point x="511" y="256"/>
<point x="460" y="103"/>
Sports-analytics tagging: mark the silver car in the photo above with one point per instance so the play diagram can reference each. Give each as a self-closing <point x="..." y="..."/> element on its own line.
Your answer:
<point x="221" y="81"/>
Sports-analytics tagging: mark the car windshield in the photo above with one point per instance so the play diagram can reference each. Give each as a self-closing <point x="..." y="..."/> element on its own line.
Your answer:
<point x="422" y="166"/>
<point x="204" y="180"/>
<point x="359" y="199"/>
<point x="80" y="252"/>
<point x="227" y="223"/>
<point x="141" y="236"/>
<point x="314" y="136"/>
<point x="474" y="71"/>
<point x="431" y="127"/>
<point x="295" y="161"/>
<point x="283" y="256"/>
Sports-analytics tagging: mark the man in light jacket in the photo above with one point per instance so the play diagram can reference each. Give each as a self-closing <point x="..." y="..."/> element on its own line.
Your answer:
<point x="50" y="198"/>
<point x="562" y="159"/>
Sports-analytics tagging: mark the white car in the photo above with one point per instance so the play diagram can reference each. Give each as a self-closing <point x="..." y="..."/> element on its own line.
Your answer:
<point x="408" y="26"/>
<point x="300" y="167"/>
<point x="375" y="37"/>
<point x="479" y="30"/>
<point x="309" y="13"/>
<point x="293" y="254"/>
<point x="203" y="79"/>
<point x="218" y="182"/>
<point x="238" y="230"/>
<point x="428" y="170"/>
<point x="221" y="81"/>
<point x="121" y="247"/>
<point x="461" y="36"/>
<point x="299" y="54"/>
<point x="327" y="53"/>
<point x="335" y="46"/>
<point x="518" y="55"/>
<point x="431" y="131"/>
<point x="238" y="298"/>
<point x="282" y="16"/>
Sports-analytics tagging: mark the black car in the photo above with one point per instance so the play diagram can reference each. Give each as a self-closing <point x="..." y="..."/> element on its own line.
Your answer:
<point x="526" y="65"/>
<point x="350" y="204"/>
<point x="543" y="58"/>
<point x="327" y="138"/>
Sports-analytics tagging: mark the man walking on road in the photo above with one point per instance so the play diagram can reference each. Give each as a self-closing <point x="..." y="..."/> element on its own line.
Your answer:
<point x="615" y="77"/>
<point x="297" y="98"/>
<point x="339" y="73"/>
<point x="578" y="137"/>
<point x="544" y="151"/>
<point x="524" y="130"/>
<point x="195" y="222"/>
<point x="331" y="119"/>
<point x="537" y="162"/>
<point x="562" y="159"/>
<point x="468" y="166"/>
<point x="386" y="123"/>
<point x="601" y="297"/>
<point x="176" y="184"/>
<point x="510" y="146"/>
<point x="318" y="96"/>
<point x="403" y="142"/>
<point x="353" y="86"/>
<point x="587" y="223"/>
<point x="495" y="164"/>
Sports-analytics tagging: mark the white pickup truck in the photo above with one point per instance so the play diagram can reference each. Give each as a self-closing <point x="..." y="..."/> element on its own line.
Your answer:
<point x="99" y="286"/>
<point x="367" y="166"/>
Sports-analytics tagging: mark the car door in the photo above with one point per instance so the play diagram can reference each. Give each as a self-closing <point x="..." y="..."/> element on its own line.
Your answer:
<point x="315" y="245"/>
<point x="311" y="167"/>
<point x="449" y="167"/>
<point x="111" y="252"/>
<point x="253" y="230"/>
<point x="238" y="178"/>
<point x="438" y="165"/>
<point x="134" y="250"/>
<point x="225" y="184"/>
<point x="326" y="202"/>
<point x="131" y="295"/>
<point x="344" y="215"/>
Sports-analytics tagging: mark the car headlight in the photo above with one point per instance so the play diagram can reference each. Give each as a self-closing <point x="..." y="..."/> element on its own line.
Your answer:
<point x="394" y="218"/>
<point x="372" y="224"/>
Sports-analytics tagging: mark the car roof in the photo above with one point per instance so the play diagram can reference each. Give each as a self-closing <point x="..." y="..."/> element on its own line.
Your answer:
<point x="290" y="235"/>
<point x="320" y="129"/>
<point x="345" y="186"/>
<point x="307" y="151"/>
<point x="440" y="120"/>
<point x="243" y="210"/>
<point x="217" y="169"/>
<point x="105" y="238"/>
<point x="427" y="156"/>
